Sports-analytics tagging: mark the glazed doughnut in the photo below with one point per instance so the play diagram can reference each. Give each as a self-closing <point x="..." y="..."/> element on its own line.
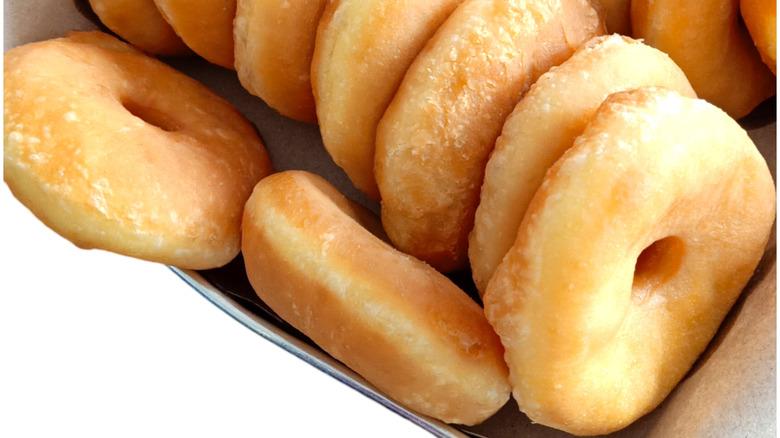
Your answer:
<point x="405" y="328"/>
<point x="435" y="137"/>
<point x="205" y="26"/>
<point x="633" y="250"/>
<point x="710" y="44"/>
<point x="545" y="123"/>
<point x="115" y="150"/>
<point x="274" y="45"/>
<point x="617" y="16"/>
<point x="140" y="23"/>
<point x="760" y="17"/>
<point x="363" y="49"/>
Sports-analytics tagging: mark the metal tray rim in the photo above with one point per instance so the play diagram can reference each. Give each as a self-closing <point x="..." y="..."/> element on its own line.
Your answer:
<point x="311" y="356"/>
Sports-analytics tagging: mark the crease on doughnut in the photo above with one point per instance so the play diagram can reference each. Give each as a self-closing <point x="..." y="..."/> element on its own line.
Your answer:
<point x="545" y="123"/>
<point x="584" y="355"/>
<point x="760" y="17"/>
<point x="617" y="15"/>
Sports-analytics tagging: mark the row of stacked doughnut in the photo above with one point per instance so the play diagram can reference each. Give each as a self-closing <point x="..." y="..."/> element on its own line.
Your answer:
<point x="609" y="216"/>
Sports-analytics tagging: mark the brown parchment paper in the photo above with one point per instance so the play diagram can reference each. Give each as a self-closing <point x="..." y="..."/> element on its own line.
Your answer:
<point x="731" y="390"/>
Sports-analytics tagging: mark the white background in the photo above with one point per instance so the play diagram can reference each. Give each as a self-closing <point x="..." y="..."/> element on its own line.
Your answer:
<point x="93" y="344"/>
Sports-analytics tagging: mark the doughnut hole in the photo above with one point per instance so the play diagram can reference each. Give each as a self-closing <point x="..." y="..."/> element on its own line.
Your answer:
<point x="153" y="116"/>
<point x="684" y="230"/>
<point x="655" y="266"/>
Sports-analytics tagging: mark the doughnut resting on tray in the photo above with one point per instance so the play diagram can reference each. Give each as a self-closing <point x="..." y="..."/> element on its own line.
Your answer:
<point x="632" y="251"/>
<point x="115" y="150"/>
<point x="313" y="257"/>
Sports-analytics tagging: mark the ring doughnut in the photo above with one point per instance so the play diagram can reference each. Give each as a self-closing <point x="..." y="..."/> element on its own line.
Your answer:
<point x="363" y="49"/>
<point x="205" y="26"/>
<point x="711" y="45"/>
<point x="631" y="253"/>
<point x="760" y="17"/>
<point x="140" y="23"/>
<point x="437" y="133"/>
<point x="274" y="46"/>
<point x="113" y="149"/>
<point x="405" y="328"/>
<point x="545" y="123"/>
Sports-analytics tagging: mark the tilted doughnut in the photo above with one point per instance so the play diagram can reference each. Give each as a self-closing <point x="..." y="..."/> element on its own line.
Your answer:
<point x="206" y="26"/>
<point x="140" y="23"/>
<point x="435" y="138"/>
<point x="115" y="150"/>
<point x="544" y="124"/>
<point x="633" y="250"/>
<point x="363" y="50"/>
<point x="711" y="45"/>
<point x="405" y="328"/>
<point x="274" y="46"/>
<point x="760" y="17"/>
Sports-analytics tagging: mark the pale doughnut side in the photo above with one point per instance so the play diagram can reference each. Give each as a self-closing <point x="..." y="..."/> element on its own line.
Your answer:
<point x="140" y="23"/>
<point x="206" y="26"/>
<point x="363" y="50"/>
<point x="636" y="246"/>
<point x="545" y="123"/>
<point x="711" y="45"/>
<point x="274" y="45"/>
<point x="405" y="328"/>
<point x="435" y="137"/>
<point x="115" y="150"/>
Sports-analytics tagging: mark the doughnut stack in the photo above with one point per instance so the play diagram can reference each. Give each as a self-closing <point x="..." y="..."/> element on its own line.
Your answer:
<point x="580" y="158"/>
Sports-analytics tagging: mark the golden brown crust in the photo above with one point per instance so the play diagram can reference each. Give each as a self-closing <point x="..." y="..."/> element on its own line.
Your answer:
<point x="140" y="23"/>
<point x="405" y="328"/>
<point x="115" y="150"/>
<point x="206" y="26"/>
<point x="545" y="123"/>
<point x="364" y="48"/>
<point x="632" y="252"/>
<point x="435" y="137"/>
<point x="711" y="45"/>
<point x="274" y="46"/>
<point x="760" y="17"/>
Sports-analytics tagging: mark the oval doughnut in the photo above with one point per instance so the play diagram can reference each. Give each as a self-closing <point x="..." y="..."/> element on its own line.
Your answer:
<point x="363" y="50"/>
<point x="404" y="327"/>
<point x="544" y="124"/>
<point x="274" y="46"/>
<point x="760" y="17"/>
<point x="115" y="150"/>
<point x="205" y="26"/>
<point x="632" y="252"/>
<point x="710" y="44"/>
<point x="435" y="137"/>
<point x="140" y="23"/>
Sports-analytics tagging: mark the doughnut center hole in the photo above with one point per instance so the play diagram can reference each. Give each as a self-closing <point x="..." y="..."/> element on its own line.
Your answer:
<point x="151" y="115"/>
<point x="656" y="265"/>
